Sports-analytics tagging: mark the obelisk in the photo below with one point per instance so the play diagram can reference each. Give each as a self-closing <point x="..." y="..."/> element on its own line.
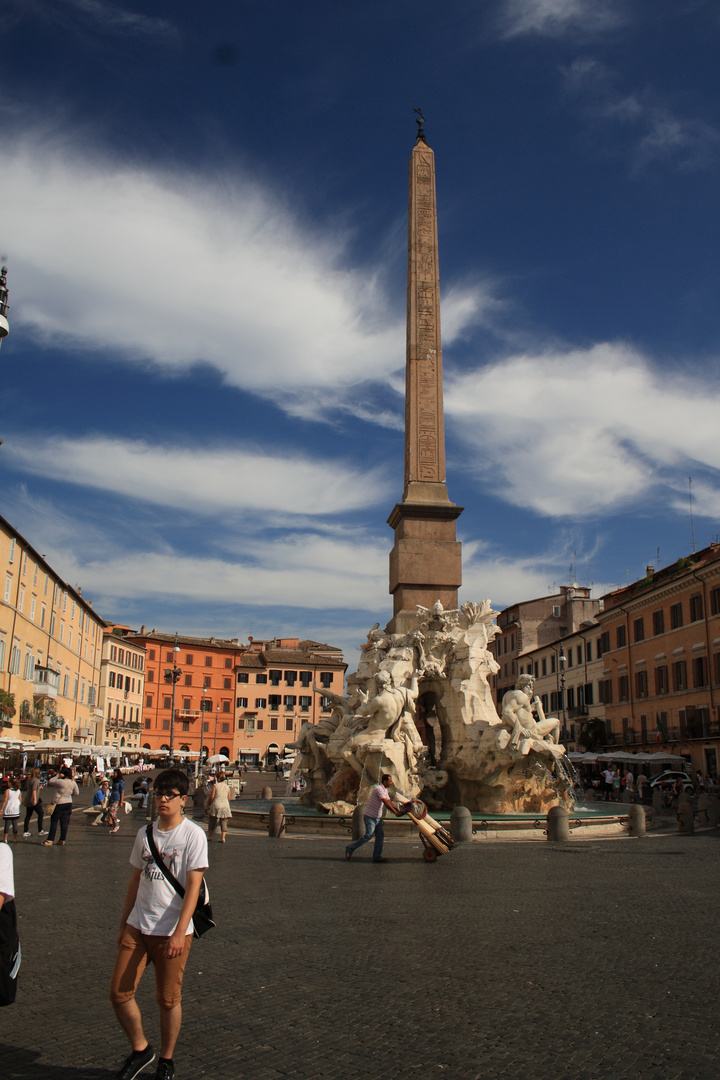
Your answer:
<point x="426" y="559"/>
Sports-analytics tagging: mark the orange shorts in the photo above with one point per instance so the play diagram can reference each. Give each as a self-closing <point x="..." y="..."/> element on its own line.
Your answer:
<point x="132" y="959"/>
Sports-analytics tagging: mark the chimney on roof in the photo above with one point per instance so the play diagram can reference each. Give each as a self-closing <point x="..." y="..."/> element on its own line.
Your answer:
<point x="143" y="628"/>
<point x="650" y="571"/>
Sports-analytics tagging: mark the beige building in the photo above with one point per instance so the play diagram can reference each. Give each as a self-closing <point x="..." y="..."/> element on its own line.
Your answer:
<point x="50" y="649"/>
<point x="122" y="685"/>
<point x="530" y="624"/>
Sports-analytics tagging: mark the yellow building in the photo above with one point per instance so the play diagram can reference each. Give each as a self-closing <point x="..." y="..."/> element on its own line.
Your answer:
<point x="122" y="684"/>
<point x="50" y="649"/>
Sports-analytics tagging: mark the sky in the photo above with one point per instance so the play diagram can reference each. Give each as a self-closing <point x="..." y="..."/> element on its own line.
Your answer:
<point x="204" y="216"/>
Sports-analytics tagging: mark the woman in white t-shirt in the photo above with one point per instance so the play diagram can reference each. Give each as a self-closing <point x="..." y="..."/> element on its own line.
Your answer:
<point x="11" y="809"/>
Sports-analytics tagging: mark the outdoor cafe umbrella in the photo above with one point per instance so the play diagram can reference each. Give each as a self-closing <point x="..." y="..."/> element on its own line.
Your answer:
<point x="216" y="759"/>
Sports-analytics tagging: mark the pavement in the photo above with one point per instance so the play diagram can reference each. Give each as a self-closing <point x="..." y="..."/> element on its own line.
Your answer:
<point x="550" y="961"/>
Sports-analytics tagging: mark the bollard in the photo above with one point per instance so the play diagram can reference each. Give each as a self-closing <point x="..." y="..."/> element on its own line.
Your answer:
<point x="658" y="803"/>
<point x="704" y="804"/>
<point x="266" y="793"/>
<point x="636" y="820"/>
<point x="558" y="823"/>
<point x="714" y="812"/>
<point x="358" y="823"/>
<point x="276" y="820"/>
<point x="461" y="828"/>
<point x="685" y="816"/>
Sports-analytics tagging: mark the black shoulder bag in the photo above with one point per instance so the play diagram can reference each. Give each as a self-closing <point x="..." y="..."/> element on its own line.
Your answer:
<point x="202" y="915"/>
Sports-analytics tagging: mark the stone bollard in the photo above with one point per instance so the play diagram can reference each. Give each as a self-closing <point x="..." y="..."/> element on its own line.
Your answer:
<point x="636" y="820"/>
<point x="266" y="793"/>
<point x="358" y="822"/>
<point x="461" y="828"/>
<point x="704" y="804"/>
<point x="627" y="796"/>
<point x="658" y="803"/>
<point x="714" y="812"/>
<point x="558" y="823"/>
<point x="685" y="816"/>
<point x="276" y="820"/>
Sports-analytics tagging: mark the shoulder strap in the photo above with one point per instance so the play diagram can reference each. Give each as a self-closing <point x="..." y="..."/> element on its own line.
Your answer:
<point x="160" y="864"/>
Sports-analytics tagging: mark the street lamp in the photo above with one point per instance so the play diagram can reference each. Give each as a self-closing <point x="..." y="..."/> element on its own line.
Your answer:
<point x="172" y="675"/>
<point x="217" y="718"/>
<point x="562" y="694"/>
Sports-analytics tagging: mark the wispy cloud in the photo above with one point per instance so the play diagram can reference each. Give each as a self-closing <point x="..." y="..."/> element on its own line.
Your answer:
<point x="206" y="480"/>
<point x="654" y="132"/>
<point x="173" y="270"/>
<point x="584" y="432"/>
<point x="98" y="15"/>
<point x="557" y="18"/>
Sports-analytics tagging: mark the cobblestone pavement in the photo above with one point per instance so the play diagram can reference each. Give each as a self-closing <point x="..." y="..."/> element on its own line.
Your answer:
<point x="578" y="960"/>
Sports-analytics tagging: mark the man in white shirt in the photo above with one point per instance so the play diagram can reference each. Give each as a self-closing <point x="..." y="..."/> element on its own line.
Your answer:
<point x="156" y="925"/>
<point x="374" y="810"/>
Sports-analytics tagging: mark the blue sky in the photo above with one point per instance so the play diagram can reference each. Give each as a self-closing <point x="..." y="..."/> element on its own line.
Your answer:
<point x="204" y="215"/>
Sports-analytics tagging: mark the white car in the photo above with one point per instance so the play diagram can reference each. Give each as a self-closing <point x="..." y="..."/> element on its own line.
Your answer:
<point x="668" y="779"/>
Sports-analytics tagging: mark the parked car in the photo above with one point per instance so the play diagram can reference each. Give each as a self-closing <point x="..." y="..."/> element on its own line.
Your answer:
<point x="668" y="779"/>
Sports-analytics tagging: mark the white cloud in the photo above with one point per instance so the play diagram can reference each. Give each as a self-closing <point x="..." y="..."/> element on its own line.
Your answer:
<point x="583" y="432"/>
<point x="171" y="270"/>
<point x="656" y="133"/>
<point x="555" y="18"/>
<point x="203" y="480"/>
<point x="101" y="15"/>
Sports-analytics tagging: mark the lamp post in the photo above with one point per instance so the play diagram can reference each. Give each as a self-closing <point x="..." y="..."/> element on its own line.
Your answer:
<point x="172" y="675"/>
<point x="562" y="694"/>
<point x="217" y="719"/>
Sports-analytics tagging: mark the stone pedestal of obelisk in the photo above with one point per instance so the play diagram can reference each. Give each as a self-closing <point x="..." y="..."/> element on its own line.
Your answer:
<point x="426" y="559"/>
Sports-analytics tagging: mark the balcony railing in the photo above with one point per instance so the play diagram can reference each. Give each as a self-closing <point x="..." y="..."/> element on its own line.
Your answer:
<point x="46" y="682"/>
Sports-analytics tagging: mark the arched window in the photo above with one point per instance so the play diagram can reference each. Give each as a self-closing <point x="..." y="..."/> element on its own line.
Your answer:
<point x="224" y="750"/>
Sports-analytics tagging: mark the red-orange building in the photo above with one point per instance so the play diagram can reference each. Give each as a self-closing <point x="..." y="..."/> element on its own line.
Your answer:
<point x="242" y="700"/>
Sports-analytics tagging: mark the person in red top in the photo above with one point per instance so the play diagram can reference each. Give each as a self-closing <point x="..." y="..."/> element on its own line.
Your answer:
<point x="374" y="810"/>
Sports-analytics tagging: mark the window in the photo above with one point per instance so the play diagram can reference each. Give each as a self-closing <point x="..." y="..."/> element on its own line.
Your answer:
<point x="588" y="693"/>
<point x="11" y="556"/>
<point x="696" y="607"/>
<point x="555" y="704"/>
<point x="306" y="676"/>
<point x="273" y="723"/>
<point x="227" y="684"/>
<point x="121" y="656"/>
<point x="639" y="629"/>
<point x="225" y="728"/>
<point x="151" y="654"/>
<point x="620" y="637"/>
<point x="241" y="723"/>
<point x="544" y="666"/>
<point x="603" y="643"/>
<point x="167" y="703"/>
<point x="188" y="678"/>
<point x="326" y="678"/>
<point x="679" y="675"/>
<point x="261" y="678"/>
<point x="206" y="725"/>
<point x="641" y="684"/>
<point x="556" y="612"/>
<point x="189" y="659"/>
<point x="570" y="657"/>
<point x="168" y="657"/>
<point x="260" y="725"/>
<point x="536" y="669"/>
<point x="715" y="600"/>
<point x="661" y="679"/>
<point x="43" y="613"/>
<point x="553" y="664"/>
<point x="21" y="598"/>
<point x="260" y="703"/>
<point x="243" y="677"/>
<point x="658" y="622"/>
<point x="226" y="706"/>
<point x="186" y="704"/>
<point x="206" y="705"/>
<point x="571" y="697"/>
<point x="8" y="587"/>
<point x="700" y="671"/>
<point x="32" y="608"/>
<point x="275" y="677"/>
<point x="208" y="661"/>
<point x="676" y="616"/>
<point x="151" y="676"/>
<point x="288" y="723"/>
<point x="290" y="678"/>
<point x="605" y="691"/>
<point x="290" y="700"/>
<point x="228" y="661"/>
<point x="275" y="701"/>
<point x="579" y="654"/>
<point x="305" y="702"/>
<point x="185" y="725"/>
<point x="166" y="725"/>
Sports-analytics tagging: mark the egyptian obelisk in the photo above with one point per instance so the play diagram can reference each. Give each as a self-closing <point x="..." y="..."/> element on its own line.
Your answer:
<point x="426" y="559"/>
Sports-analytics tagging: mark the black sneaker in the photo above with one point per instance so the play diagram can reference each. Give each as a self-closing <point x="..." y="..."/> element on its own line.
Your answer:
<point x="138" y="1060"/>
<point x="165" y="1071"/>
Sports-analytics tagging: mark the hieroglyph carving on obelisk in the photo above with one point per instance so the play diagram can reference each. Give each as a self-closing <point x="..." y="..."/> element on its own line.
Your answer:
<point x="424" y="428"/>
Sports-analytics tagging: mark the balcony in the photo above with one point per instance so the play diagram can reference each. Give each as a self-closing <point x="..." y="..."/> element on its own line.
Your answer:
<point x="46" y="683"/>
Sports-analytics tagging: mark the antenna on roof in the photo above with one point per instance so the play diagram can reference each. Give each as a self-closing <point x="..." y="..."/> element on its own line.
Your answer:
<point x="692" y="527"/>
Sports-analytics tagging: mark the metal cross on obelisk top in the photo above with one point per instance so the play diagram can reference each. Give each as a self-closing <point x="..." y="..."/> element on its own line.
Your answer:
<point x="426" y="559"/>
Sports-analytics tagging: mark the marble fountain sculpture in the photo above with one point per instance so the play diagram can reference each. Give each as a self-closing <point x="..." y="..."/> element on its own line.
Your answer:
<point x="420" y="708"/>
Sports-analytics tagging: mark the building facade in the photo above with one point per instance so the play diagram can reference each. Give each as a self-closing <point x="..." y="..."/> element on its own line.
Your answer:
<point x="275" y="695"/>
<point x="660" y="640"/>
<point x="50" y="650"/>
<point x="246" y="701"/>
<point x="533" y="623"/>
<point x="122" y="686"/>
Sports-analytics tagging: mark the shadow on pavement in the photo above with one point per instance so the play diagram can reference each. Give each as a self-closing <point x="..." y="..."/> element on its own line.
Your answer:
<point x="19" y="1064"/>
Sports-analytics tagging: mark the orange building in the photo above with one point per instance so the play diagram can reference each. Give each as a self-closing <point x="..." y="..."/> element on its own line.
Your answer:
<point x="660" y="640"/>
<point x="223" y="693"/>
